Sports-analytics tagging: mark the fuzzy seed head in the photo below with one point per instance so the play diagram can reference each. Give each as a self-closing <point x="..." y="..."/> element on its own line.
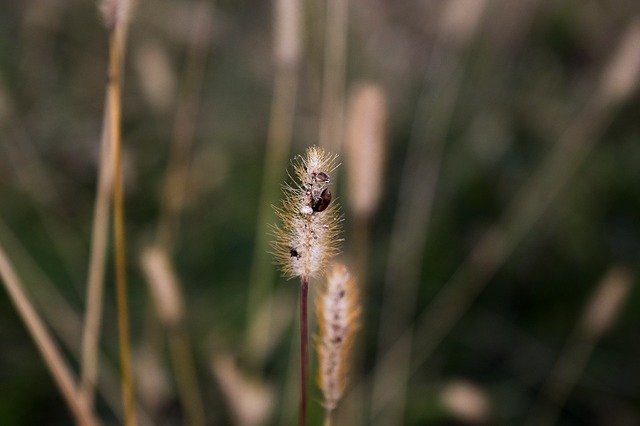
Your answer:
<point x="364" y="145"/>
<point x="338" y="311"/>
<point x="308" y="236"/>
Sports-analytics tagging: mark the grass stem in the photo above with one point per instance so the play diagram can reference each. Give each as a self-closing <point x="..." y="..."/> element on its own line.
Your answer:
<point x="95" y="276"/>
<point x="114" y="93"/>
<point x="304" y="350"/>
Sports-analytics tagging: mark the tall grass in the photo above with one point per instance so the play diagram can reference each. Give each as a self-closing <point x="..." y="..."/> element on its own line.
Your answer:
<point x="453" y="169"/>
<point x="307" y="238"/>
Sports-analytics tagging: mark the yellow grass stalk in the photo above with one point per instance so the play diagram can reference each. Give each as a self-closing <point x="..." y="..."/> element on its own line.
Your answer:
<point x="116" y="16"/>
<point x="338" y="312"/>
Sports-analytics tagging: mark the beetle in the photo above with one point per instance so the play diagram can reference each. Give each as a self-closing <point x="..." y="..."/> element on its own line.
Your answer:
<point x="323" y="201"/>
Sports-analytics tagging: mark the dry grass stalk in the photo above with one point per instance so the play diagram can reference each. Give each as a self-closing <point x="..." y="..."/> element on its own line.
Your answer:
<point x="338" y="312"/>
<point x="251" y="401"/>
<point x="163" y="285"/>
<point x="603" y="307"/>
<point x="65" y="322"/>
<point x="620" y="78"/>
<point x="155" y="75"/>
<point x="167" y="297"/>
<point x="61" y="373"/>
<point x="288" y="40"/>
<point x="97" y="265"/>
<point x="116" y="17"/>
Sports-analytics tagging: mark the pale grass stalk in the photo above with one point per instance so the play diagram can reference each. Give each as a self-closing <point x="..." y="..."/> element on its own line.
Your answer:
<point x="598" y="316"/>
<point x="365" y="147"/>
<point x="365" y="152"/>
<point x="115" y="13"/>
<point x="287" y="52"/>
<point x="167" y="297"/>
<point x="47" y="347"/>
<point x="522" y="215"/>
<point x="337" y="313"/>
<point x="334" y="75"/>
<point x="97" y="265"/>
<point x="250" y="400"/>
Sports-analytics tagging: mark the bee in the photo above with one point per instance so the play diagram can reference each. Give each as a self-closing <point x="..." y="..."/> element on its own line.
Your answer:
<point x="323" y="201"/>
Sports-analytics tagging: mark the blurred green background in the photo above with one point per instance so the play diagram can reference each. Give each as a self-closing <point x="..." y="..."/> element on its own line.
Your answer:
<point x="509" y="196"/>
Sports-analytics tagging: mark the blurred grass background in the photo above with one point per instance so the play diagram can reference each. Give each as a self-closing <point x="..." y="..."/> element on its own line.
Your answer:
<point x="510" y="191"/>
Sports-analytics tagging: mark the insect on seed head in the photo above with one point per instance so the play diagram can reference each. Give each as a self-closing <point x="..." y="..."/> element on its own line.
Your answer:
<point x="323" y="177"/>
<point x="323" y="201"/>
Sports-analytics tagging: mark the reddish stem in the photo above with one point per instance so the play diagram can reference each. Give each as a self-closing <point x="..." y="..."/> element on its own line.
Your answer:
<point x="304" y="352"/>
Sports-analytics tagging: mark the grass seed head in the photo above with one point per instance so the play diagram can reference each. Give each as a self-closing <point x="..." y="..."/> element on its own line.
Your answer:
<point x="307" y="237"/>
